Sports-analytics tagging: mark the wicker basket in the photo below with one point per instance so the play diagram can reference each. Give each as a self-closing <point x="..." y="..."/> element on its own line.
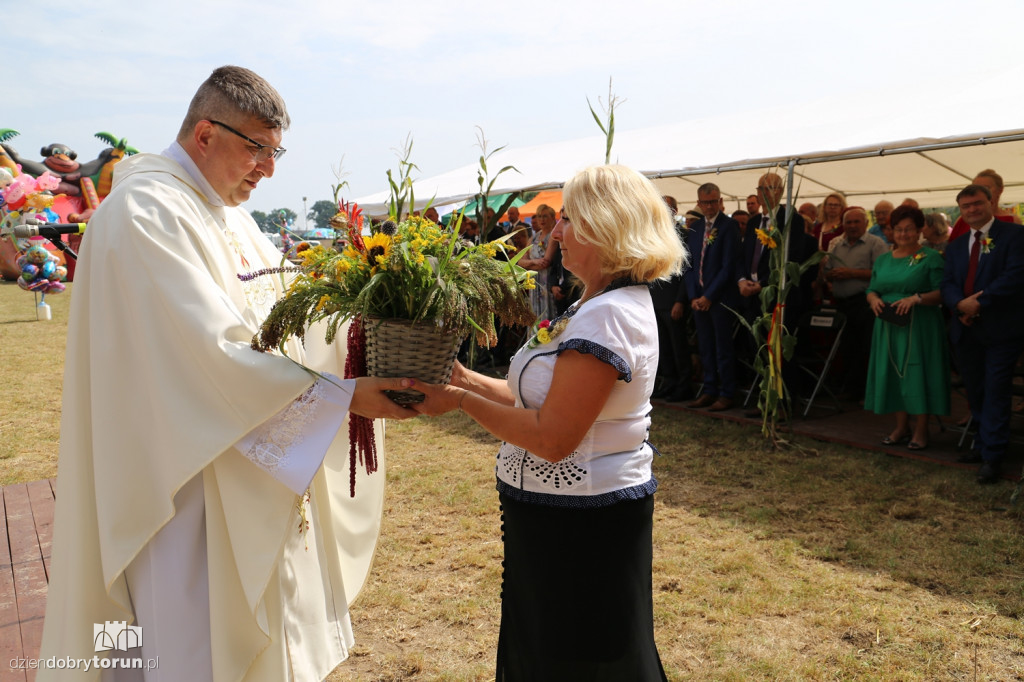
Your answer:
<point x="400" y="348"/>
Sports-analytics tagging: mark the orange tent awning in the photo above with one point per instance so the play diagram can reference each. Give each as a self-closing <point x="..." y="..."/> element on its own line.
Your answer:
<point x="551" y="197"/>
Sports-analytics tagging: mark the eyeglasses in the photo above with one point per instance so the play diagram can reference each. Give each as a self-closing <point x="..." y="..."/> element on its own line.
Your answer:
<point x="263" y="151"/>
<point x="709" y="202"/>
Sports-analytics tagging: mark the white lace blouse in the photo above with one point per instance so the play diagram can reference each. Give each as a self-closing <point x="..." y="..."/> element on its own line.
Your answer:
<point x="613" y="461"/>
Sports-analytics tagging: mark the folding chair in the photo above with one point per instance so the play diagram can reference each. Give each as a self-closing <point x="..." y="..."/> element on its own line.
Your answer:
<point x="816" y="362"/>
<point x="740" y="332"/>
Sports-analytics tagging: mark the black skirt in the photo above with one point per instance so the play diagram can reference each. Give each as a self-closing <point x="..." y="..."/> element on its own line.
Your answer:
<point x="576" y="594"/>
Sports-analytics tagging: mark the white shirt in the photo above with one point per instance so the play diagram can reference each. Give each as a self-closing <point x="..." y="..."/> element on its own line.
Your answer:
<point x="613" y="461"/>
<point x="984" y="233"/>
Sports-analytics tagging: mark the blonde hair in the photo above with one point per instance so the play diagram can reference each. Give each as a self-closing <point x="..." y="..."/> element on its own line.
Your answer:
<point x="621" y="213"/>
<point x="545" y="210"/>
<point x="995" y="177"/>
<point x="833" y="195"/>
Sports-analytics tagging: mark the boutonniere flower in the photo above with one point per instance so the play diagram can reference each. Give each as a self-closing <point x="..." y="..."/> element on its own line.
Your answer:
<point x="766" y="239"/>
<point x="710" y="237"/>
<point x="987" y="244"/>
<point x="918" y="257"/>
<point x="545" y="332"/>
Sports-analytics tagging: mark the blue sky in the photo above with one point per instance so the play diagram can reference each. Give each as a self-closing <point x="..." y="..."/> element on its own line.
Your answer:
<point x="360" y="77"/>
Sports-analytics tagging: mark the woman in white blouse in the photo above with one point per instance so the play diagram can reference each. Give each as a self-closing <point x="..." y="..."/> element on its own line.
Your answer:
<point x="574" y="472"/>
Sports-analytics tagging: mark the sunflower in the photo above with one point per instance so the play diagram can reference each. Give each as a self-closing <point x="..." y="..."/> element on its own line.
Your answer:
<point x="766" y="239"/>
<point x="378" y="249"/>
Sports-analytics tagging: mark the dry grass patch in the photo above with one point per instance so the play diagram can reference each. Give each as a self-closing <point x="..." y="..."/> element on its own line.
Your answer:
<point x="829" y="565"/>
<point x="33" y="378"/>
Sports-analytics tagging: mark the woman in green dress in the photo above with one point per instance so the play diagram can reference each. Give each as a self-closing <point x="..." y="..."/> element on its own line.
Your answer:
<point x="908" y="373"/>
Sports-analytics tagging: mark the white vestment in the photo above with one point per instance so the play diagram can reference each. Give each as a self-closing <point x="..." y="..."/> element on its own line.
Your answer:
<point x="173" y="428"/>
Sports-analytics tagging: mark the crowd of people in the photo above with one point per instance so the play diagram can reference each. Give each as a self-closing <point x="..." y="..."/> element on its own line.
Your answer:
<point x="889" y="272"/>
<point x="922" y="301"/>
<point x="886" y="270"/>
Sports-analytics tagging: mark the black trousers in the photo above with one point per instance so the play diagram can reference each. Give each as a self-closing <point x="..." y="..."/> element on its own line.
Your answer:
<point x="855" y="346"/>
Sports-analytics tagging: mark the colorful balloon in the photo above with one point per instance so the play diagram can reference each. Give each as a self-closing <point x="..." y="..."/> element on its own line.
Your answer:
<point x="41" y="271"/>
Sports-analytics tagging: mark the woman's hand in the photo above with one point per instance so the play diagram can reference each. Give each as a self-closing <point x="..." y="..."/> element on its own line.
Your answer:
<point x="904" y="305"/>
<point x="459" y="375"/>
<point x="438" y="398"/>
<point x="876" y="304"/>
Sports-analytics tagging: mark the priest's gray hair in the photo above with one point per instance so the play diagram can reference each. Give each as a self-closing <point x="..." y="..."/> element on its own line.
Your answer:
<point x="233" y="90"/>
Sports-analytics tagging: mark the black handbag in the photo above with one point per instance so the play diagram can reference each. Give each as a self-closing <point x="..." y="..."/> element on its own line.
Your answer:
<point x="890" y="315"/>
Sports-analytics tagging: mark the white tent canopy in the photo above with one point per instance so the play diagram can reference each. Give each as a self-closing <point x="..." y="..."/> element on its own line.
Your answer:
<point x="833" y="147"/>
<point x="931" y="171"/>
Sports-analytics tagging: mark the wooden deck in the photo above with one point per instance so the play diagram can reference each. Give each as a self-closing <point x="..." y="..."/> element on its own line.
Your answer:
<point x="26" y="533"/>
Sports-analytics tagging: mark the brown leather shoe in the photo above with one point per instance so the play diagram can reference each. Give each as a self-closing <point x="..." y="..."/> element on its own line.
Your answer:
<point x="720" y="405"/>
<point x="703" y="401"/>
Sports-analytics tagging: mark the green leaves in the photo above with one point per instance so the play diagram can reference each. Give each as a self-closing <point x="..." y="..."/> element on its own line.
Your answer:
<point x="776" y="344"/>
<point x="121" y="144"/>
<point x="402" y="190"/>
<point x="607" y="128"/>
<point x="487" y="224"/>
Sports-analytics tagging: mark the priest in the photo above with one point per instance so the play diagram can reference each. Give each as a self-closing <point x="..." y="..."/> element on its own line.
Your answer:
<point x="203" y="487"/>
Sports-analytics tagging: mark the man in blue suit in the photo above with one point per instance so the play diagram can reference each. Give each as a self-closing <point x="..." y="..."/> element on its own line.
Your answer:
<point x="711" y="286"/>
<point x="983" y="286"/>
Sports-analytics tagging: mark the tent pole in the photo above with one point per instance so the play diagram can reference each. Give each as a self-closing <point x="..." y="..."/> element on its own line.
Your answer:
<point x="790" y="171"/>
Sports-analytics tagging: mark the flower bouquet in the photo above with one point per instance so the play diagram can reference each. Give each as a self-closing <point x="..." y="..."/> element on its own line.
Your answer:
<point x="413" y="275"/>
<point x="412" y="291"/>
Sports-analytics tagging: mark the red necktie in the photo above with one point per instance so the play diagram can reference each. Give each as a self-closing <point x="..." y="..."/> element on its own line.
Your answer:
<point x="972" y="266"/>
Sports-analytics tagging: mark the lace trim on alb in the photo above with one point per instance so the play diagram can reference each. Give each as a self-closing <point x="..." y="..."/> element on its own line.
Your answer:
<point x="283" y="433"/>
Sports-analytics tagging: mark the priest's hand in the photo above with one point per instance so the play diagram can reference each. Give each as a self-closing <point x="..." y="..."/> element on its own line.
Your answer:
<point x="370" y="401"/>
